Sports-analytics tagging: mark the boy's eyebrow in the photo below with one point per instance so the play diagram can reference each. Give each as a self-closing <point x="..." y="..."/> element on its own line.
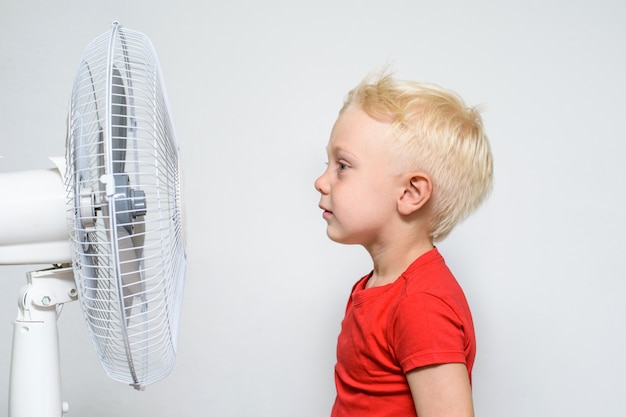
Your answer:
<point x="335" y="148"/>
<point x="340" y="150"/>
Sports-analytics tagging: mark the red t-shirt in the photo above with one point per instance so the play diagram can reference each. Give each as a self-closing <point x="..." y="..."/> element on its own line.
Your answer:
<point x="420" y="319"/>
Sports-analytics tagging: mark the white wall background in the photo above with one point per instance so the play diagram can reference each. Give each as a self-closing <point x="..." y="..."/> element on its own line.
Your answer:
<point x="254" y="88"/>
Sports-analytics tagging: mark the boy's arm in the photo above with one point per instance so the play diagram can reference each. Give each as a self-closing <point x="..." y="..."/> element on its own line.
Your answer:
<point x="441" y="391"/>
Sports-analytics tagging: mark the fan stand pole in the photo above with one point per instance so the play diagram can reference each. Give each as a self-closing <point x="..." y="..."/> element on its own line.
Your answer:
<point x="35" y="382"/>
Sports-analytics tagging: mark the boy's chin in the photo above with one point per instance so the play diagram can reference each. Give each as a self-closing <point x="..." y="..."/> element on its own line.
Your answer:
<point x="337" y="238"/>
<point x="333" y="236"/>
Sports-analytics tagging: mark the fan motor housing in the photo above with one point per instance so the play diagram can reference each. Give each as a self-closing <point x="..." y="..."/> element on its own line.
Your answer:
<point x="34" y="203"/>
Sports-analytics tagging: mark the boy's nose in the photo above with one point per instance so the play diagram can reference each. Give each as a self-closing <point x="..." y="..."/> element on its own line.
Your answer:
<point x="321" y="184"/>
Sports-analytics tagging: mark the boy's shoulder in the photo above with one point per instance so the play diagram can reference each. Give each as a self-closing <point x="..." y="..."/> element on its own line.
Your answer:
<point x="430" y="274"/>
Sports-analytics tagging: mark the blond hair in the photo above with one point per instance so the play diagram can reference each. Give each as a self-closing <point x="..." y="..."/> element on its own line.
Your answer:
<point x="433" y="131"/>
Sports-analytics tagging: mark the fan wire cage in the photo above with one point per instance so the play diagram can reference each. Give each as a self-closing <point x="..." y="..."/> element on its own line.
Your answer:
<point x="124" y="207"/>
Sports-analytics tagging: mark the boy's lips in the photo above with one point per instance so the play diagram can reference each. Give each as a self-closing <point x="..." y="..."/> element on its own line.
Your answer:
<point x="327" y="213"/>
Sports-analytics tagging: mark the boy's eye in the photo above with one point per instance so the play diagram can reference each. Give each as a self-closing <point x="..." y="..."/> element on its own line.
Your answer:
<point x="342" y="166"/>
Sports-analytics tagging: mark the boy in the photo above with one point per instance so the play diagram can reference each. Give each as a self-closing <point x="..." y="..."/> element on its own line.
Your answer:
<point x="406" y="162"/>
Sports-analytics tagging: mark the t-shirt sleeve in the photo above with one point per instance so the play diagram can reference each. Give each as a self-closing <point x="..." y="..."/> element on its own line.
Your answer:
<point x="426" y="330"/>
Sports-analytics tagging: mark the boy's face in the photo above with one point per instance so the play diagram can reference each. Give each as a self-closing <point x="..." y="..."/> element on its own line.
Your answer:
<point x="358" y="190"/>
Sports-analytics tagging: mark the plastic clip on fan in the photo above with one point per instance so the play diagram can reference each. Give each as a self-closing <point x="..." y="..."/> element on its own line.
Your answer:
<point x="124" y="221"/>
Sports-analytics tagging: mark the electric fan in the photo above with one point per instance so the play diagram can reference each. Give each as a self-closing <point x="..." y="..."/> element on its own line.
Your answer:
<point x="123" y="218"/>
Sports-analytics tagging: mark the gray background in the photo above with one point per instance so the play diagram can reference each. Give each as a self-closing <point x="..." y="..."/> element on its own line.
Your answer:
<point x="255" y="88"/>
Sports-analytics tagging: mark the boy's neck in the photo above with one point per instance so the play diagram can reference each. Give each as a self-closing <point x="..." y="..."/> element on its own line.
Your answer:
<point x="391" y="262"/>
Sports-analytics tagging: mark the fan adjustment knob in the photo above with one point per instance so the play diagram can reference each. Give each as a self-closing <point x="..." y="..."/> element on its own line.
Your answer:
<point x="129" y="202"/>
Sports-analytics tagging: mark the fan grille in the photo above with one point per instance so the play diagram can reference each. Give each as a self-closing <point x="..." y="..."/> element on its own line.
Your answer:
<point x="124" y="207"/>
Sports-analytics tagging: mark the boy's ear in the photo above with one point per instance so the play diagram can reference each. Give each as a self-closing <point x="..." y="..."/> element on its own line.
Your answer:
<point x="417" y="191"/>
